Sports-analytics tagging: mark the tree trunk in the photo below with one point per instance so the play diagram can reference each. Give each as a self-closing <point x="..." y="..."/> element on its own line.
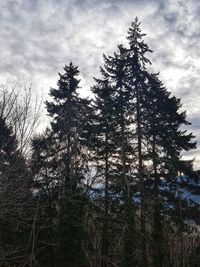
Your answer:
<point x="157" y="218"/>
<point x="106" y="210"/>
<point x="141" y="185"/>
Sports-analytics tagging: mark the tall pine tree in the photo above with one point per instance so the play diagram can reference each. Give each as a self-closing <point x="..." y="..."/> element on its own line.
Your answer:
<point x="69" y="127"/>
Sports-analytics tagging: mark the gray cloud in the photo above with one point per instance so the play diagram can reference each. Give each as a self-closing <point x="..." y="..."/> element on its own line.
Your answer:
<point x="39" y="37"/>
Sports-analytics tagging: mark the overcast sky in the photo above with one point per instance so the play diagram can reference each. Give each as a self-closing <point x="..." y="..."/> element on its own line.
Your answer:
<point x="38" y="37"/>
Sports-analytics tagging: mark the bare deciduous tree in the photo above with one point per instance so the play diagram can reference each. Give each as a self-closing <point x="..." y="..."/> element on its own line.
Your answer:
<point x="22" y="112"/>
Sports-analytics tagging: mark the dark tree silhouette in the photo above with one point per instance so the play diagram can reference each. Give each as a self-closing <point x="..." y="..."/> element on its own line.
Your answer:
<point x="69" y="127"/>
<point x="16" y="200"/>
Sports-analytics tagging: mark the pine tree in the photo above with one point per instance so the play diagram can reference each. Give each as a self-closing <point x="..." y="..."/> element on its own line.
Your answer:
<point x="137" y="83"/>
<point x="115" y="70"/>
<point x="127" y="71"/>
<point x="104" y="149"/>
<point x="69" y="127"/>
<point x="163" y="150"/>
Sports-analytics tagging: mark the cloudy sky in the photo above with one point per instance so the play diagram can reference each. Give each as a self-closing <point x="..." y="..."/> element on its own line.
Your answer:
<point x="38" y="37"/>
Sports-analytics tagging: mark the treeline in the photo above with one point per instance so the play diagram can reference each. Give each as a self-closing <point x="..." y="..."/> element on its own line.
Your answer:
<point x="104" y="184"/>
